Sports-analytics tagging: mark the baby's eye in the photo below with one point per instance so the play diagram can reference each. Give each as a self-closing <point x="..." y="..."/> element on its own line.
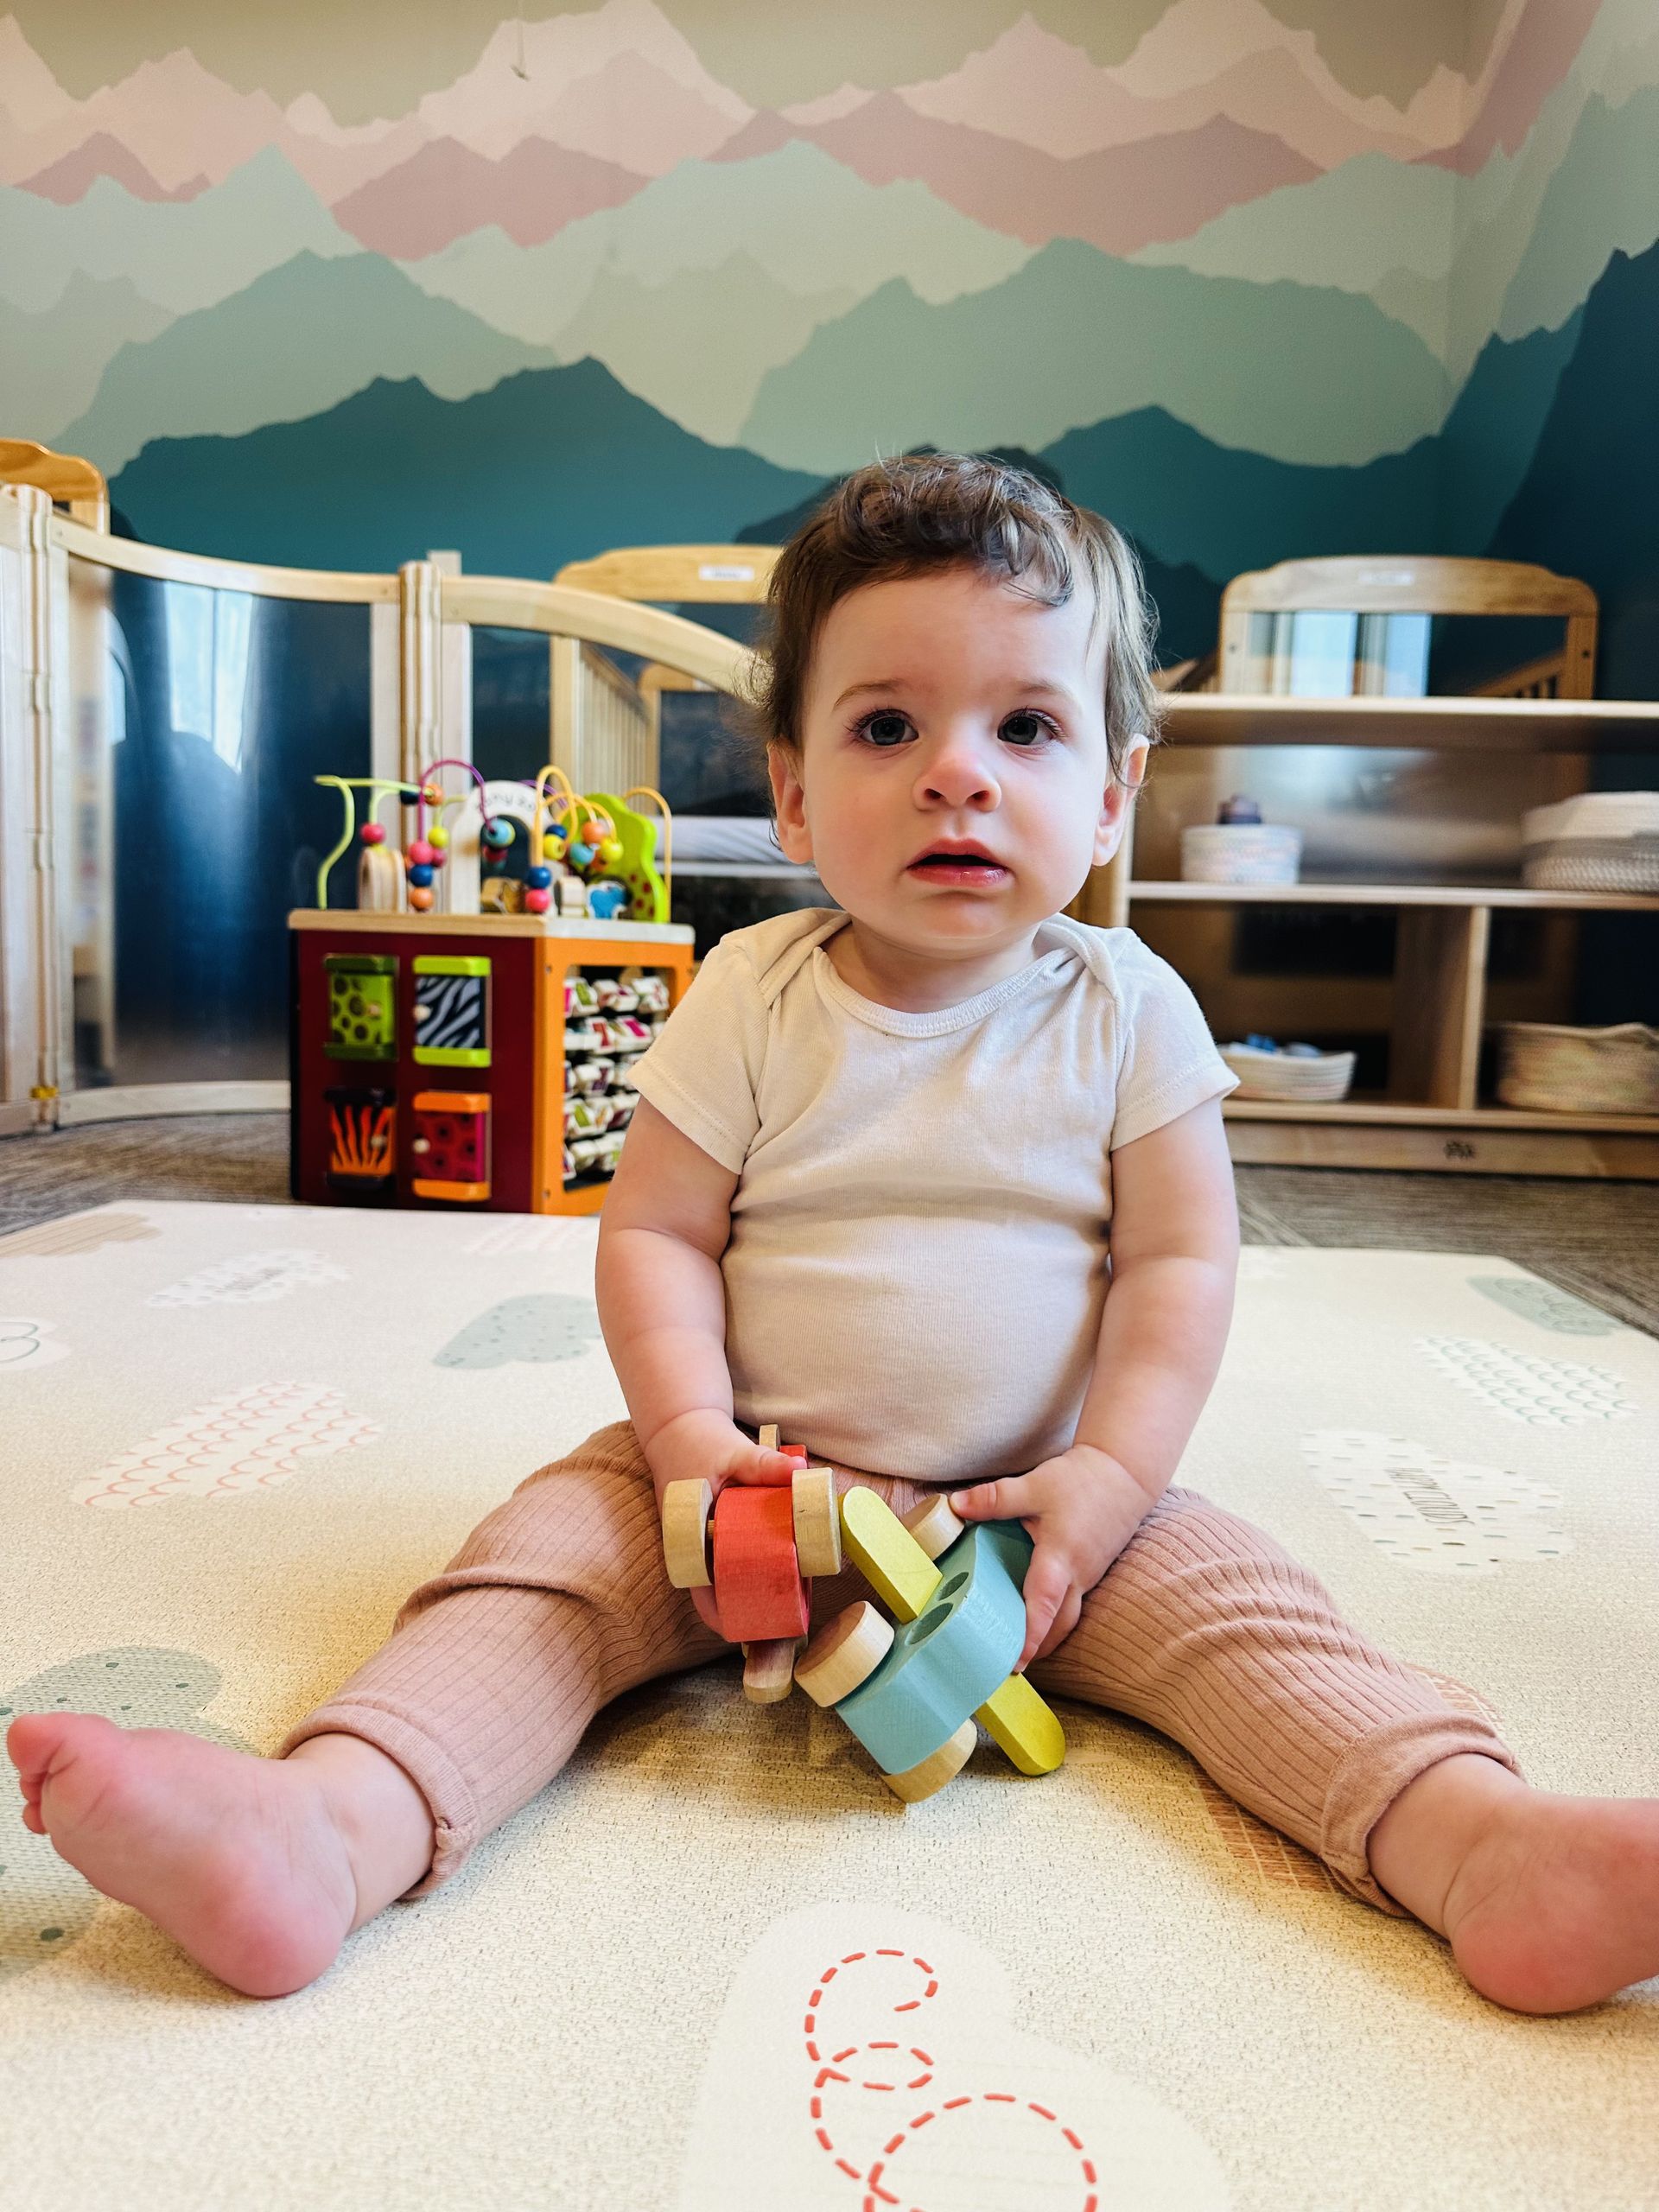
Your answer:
<point x="886" y="726"/>
<point x="1025" y="728"/>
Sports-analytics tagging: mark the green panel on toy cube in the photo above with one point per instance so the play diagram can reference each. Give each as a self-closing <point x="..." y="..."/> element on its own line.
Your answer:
<point x="451" y="1011"/>
<point x="363" y="1145"/>
<point x="362" y="1006"/>
<point x="944" y="1664"/>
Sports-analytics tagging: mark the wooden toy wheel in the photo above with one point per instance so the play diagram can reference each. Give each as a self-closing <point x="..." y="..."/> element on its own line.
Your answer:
<point x="932" y="1775"/>
<point x="934" y="1526"/>
<point x="686" y="1507"/>
<point x="818" y="1523"/>
<point x="843" y="1654"/>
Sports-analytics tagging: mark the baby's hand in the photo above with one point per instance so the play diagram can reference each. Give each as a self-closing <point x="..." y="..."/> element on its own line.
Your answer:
<point x="1079" y="1509"/>
<point x="706" y="1446"/>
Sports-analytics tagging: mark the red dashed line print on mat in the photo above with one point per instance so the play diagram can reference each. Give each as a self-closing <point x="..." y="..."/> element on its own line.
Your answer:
<point x="890" y="2068"/>
<point x="250" y="1440"/>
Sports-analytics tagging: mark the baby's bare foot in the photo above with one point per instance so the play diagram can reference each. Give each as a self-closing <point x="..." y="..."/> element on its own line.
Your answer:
<point x="1556" y="1904"/>
<point x="240" y="1859"/>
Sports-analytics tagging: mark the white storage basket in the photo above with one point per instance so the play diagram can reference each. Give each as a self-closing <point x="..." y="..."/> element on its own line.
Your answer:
<point x="1545" y="1068"/>
<point x="1309" y="1079"/>
<point x="1241" y="852"/>
<point x="1601" y="841"/>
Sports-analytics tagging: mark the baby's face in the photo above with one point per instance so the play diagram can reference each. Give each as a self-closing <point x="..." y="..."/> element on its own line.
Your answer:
<point x="946" y="710"/>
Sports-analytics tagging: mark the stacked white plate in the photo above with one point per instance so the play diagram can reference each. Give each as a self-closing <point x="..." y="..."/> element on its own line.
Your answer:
<point x="1308" y="1078"/>
<point x="1239" y="852"/>
<point x="1601" y="841"/>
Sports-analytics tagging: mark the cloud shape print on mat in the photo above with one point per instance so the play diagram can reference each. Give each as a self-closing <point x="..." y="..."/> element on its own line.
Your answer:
<point x="25" y="1343"/>
<point x="540" y="1326"/>
<point x="248" y="1441"/>
<point x="1442" y="1516"/>
<point x="1551" y="1308"/>
<point x="77" y="1233"/>
<point x="252" y="1279"/>
<point x="1543" y="1392"/>
<point x="875" y="2059"/>
<point x="45" y="1906"/>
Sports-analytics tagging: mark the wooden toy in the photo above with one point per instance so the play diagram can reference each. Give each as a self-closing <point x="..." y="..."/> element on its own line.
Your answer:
<point x="962" y="1623"/>
<point x="541" y="998"/>
<point x="755" y="1547"/>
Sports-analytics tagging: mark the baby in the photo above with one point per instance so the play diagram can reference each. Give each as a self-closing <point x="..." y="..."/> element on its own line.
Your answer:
<point x="938" y="1182"/>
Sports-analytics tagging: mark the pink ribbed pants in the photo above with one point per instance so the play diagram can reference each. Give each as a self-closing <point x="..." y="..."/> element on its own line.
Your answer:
<point x="1203" y="1627"/>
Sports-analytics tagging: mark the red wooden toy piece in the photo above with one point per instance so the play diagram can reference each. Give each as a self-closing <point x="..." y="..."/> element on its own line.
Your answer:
<point x="758" y="1585"/>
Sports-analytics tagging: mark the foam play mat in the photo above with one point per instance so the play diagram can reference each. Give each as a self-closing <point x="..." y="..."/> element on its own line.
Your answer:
<point x="717" y="1967"/>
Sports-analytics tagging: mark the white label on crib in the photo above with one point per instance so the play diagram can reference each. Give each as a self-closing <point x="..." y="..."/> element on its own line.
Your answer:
<point x="724" y="572"/>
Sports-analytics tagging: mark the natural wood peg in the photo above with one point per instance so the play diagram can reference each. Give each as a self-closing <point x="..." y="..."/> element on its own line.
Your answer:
<point x="768" y="1670"/>
<point x="918" y="1782"/>
<point x="817" y="1521"/>
<point x="686" y="1507"/>
<point x="844" y="1653"/>
<point x="932" y="1524"/>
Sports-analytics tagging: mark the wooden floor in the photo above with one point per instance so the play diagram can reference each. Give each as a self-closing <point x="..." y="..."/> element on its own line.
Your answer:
<point x="1600" y="1240"/>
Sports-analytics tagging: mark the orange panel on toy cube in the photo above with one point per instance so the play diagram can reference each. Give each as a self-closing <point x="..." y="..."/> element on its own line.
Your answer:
<point x="451" y="1145"/>
<point x="758" y="1586"/>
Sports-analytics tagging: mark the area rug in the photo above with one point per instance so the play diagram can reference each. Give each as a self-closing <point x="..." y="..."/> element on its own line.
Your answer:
<point x="716" y="1966"/>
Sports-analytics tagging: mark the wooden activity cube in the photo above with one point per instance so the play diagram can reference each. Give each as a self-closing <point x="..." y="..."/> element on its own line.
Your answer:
<point x="468" y="1060"/>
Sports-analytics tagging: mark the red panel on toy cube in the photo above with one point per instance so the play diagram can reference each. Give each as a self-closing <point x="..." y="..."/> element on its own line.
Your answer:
<point x="451" y="1145"/>
<point x="758" y="1586"/>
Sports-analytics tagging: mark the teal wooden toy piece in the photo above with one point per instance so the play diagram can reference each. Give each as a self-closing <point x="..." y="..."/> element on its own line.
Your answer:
<point x="946" y="1663"/>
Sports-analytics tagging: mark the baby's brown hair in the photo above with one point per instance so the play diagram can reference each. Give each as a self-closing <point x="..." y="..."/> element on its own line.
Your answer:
<point x="923" y="512"/>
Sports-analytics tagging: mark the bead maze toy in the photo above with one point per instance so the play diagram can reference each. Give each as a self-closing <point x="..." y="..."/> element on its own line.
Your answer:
<point x="448" y="1058"/>
<point x="911" y="1695"/>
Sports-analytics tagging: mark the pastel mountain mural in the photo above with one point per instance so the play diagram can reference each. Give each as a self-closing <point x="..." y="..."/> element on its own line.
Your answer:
<point x="1256" y="278"/>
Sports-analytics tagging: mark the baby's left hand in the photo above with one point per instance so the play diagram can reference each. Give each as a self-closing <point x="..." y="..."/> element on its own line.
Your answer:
<point x="1079" y="1509"/>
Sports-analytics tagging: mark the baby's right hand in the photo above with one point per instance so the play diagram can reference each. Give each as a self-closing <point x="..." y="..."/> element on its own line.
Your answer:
<point x="706" y="1446"/>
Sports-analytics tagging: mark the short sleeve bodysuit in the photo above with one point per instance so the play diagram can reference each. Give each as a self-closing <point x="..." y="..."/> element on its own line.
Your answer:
<point x="918" y="1260"/>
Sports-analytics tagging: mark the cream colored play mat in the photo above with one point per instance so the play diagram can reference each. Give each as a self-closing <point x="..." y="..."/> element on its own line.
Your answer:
<point x="716" y="1968"/>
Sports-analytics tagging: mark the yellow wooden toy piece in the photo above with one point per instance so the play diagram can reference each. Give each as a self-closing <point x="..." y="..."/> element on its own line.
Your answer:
<point x="887" y="1554"/>
<point x="1016" y="1719"/>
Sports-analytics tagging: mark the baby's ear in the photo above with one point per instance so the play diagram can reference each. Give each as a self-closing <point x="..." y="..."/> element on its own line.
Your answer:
<point x="789" y="802"/>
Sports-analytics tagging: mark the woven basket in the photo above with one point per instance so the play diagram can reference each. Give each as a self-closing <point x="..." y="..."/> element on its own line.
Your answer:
<point x="1544" y="1068"/>
<point x="1239" y="852"/>
<point x="1600" y="840"/>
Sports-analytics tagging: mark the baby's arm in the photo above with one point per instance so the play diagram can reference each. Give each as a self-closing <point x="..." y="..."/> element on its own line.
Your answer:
<point x="1175" y="1254"/>
<point x="662" y="1305"/>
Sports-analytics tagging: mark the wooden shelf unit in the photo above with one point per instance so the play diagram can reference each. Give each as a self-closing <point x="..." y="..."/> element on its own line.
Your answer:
<point x="1433" y="1116"/>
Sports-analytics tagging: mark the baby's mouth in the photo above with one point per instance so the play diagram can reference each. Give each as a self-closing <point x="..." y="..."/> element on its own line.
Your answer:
<point x="958" y="867"/>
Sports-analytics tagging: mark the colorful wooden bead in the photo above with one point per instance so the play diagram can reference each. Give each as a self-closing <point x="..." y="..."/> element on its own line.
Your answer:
<point x="438" y="835"/>
<point x="420" y="876"/>
<point x="498" y="833"/>
<point x="420" y="854"/>
<point x="372" y="834"/>
<point x="420" y="900"/>
<point x="538" y="902"/>
<point x="539" y="878"/>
